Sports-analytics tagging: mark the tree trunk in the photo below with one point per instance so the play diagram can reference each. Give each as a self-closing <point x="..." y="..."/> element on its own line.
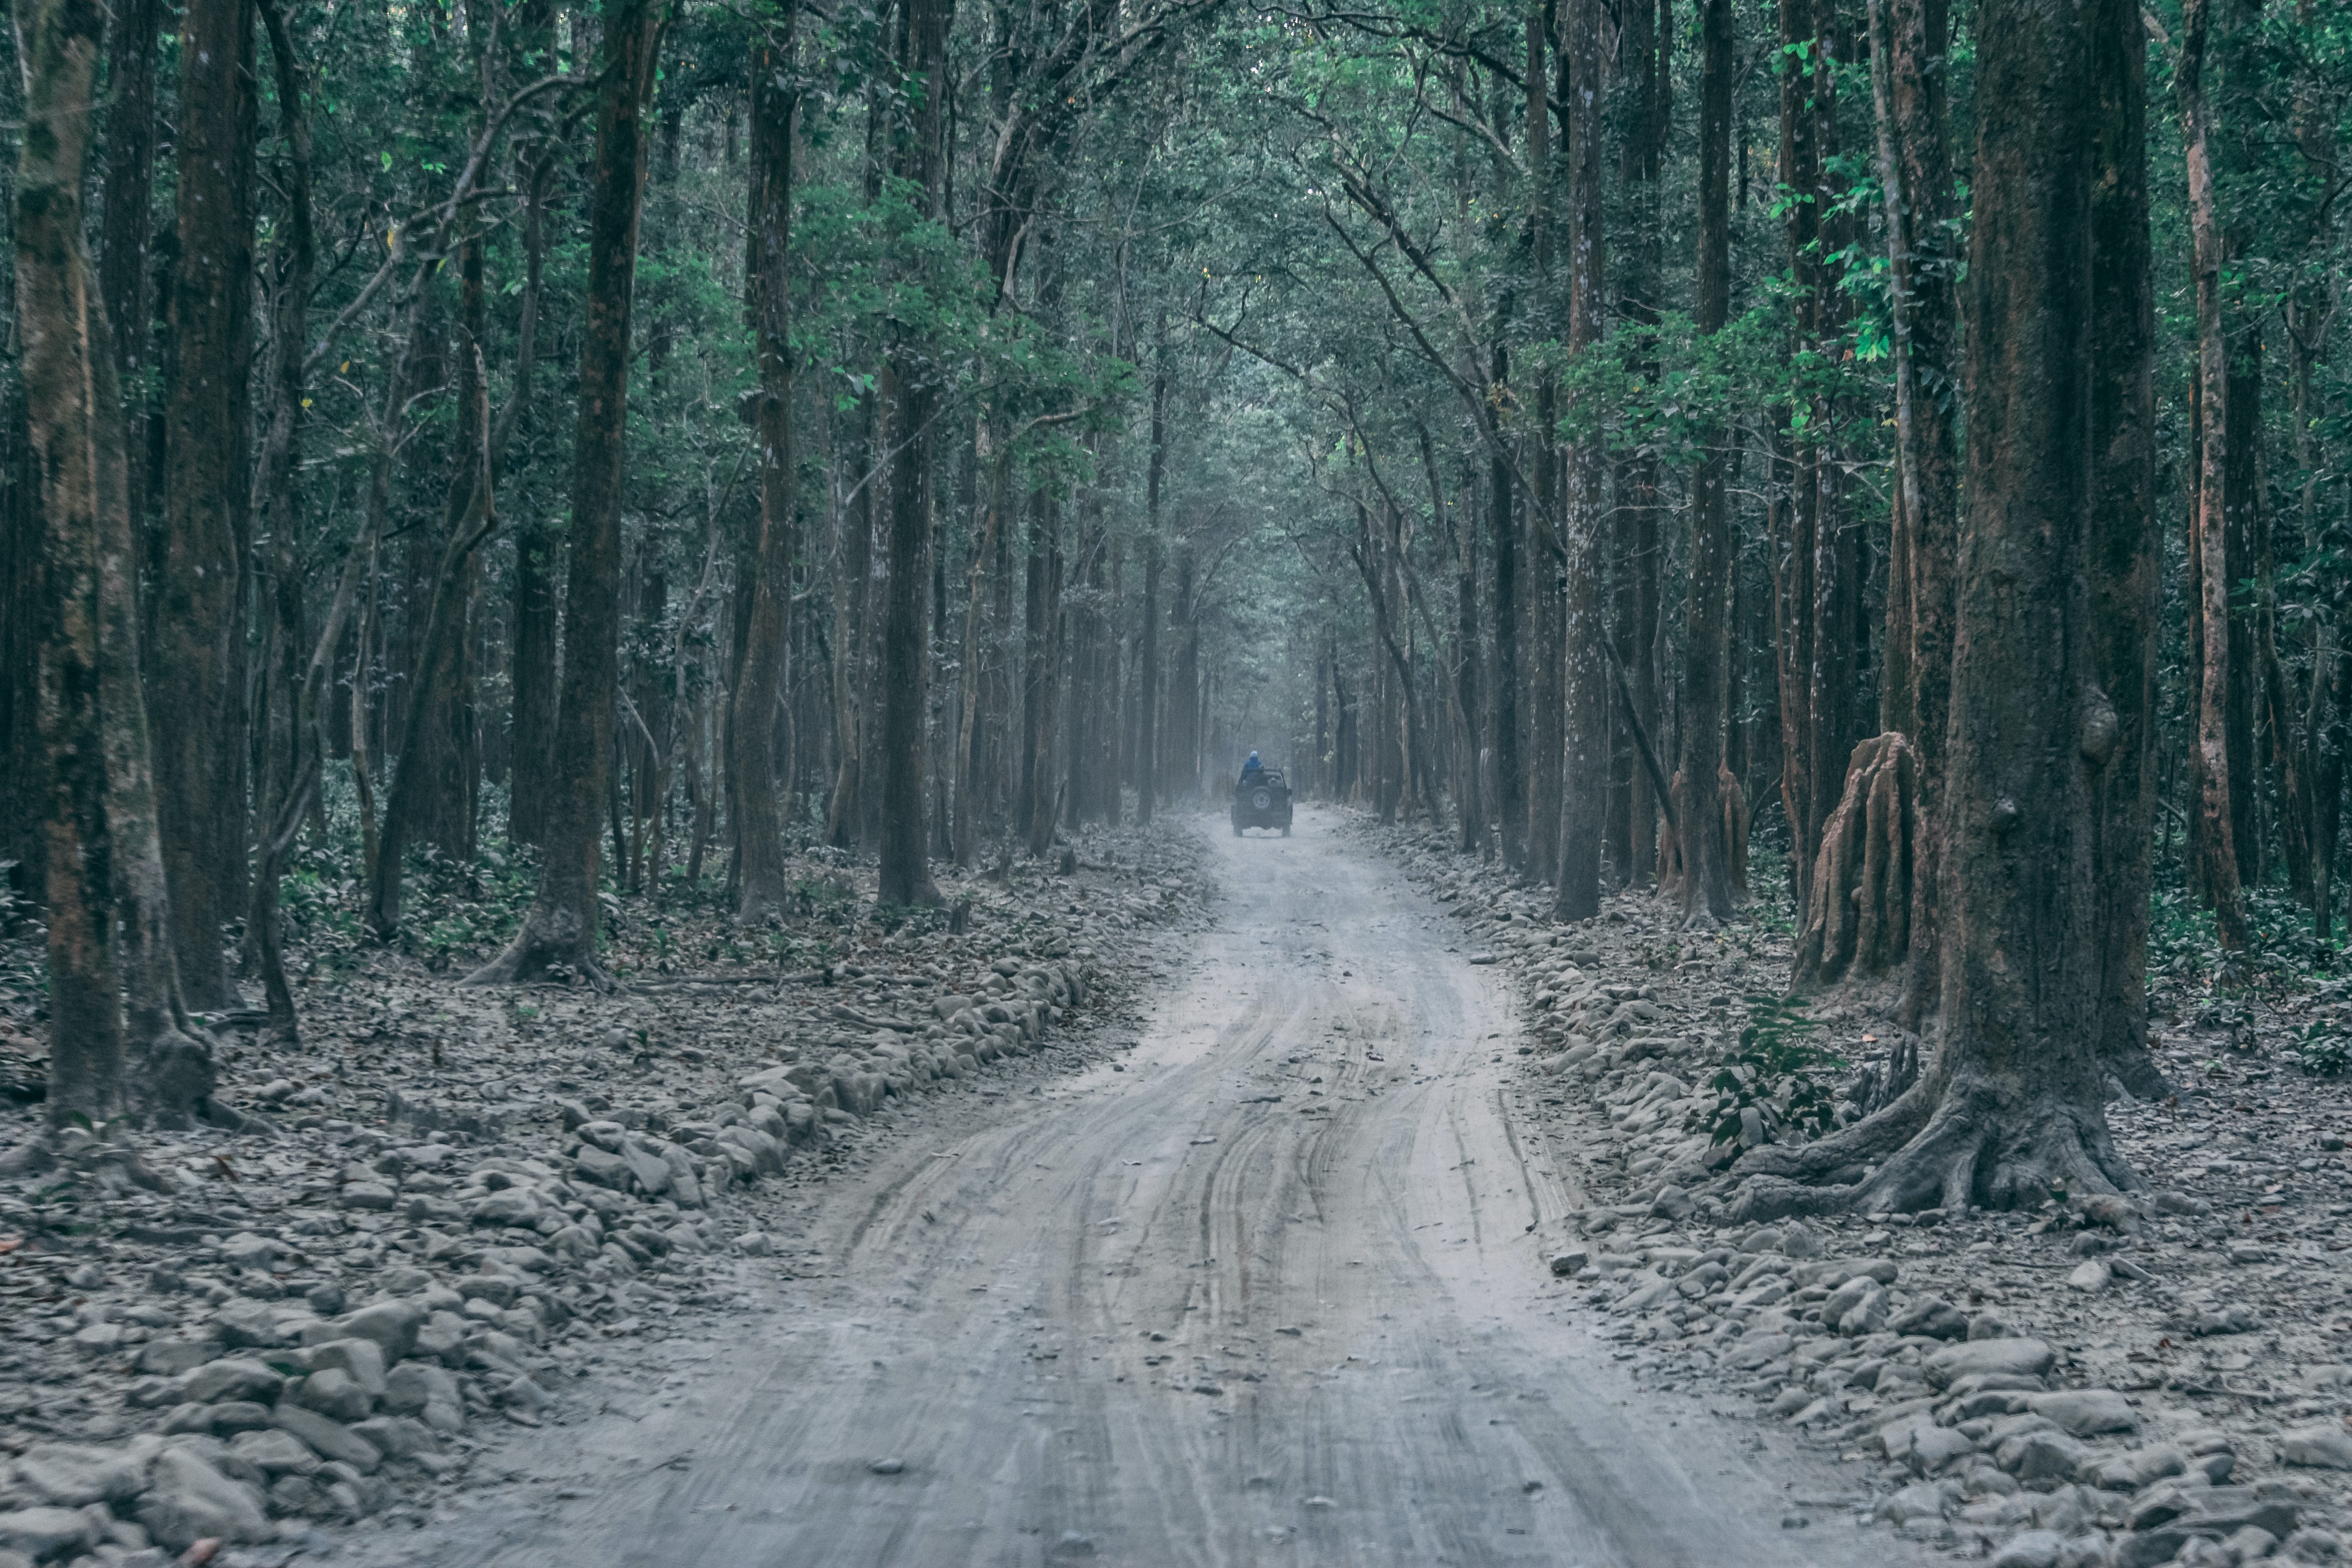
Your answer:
<point x="912" y="396"/>
<point x="560" y="931"/>
<point x="1584" y="780"/>
<point x="1147" y="682"/>
<point x="532" y="653"/>
<point x="2012" y="1111"/>
<point x="432" y="798"/>
<point x="1706" y="881"/>
<point x="129" y="186"/>
<point x="117" y="1039"/>
<point x="290" y="752"/>
<point x="1510" y="787"/>
<point x="2126" y="559"/>
<point x="2218" y="858"/>
<point x="760" y="688"/>
<point x="197" y="693"/>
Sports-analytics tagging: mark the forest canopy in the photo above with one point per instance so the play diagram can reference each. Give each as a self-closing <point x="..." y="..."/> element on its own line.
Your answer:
<point x="1863" y="462"/>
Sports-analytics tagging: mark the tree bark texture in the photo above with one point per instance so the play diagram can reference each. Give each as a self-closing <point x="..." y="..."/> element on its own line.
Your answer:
<point x="759" y="823"/>
<point x="560" y="928"/>
<point x="197" y="692"/>
<point x="117" y="1036"/>
<point x="1705" y="880"/>
<point x="2011" y="1110"/>
<point x="1584" y="781"/>
<point x="2217" y="855"/>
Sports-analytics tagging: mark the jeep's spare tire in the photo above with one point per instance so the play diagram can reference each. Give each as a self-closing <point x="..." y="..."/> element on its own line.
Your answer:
<point x="1263" y="800"/>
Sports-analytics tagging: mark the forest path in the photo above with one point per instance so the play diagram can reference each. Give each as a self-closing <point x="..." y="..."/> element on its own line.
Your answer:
<point x="1264" y="1294"/>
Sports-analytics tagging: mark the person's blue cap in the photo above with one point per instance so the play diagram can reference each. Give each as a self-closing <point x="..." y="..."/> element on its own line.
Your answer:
<point x="1252" y="756"/>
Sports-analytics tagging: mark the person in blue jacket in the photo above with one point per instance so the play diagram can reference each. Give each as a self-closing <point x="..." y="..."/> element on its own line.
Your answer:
<point x="1251" y="771"/>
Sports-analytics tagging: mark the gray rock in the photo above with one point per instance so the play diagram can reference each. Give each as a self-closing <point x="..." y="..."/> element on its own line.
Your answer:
<point x="171" y="1358"/>
<point x="392" y="1325"/>
<point x="756" y="1243"/>
<point x="412" y="1385"/>
<point x="2032" y="1548"/>
<point x="1931" y="1318"/>
<point x="1672" y="1203"/>
<point x="1796" y="1241"/>
<point x="1867" y="1315"/>
<point x="41" y="1533"/>
<point x="1921" y="1499"/>
<point x="71" y="1475"/>
<point x="275" y="1453"/>
<point x="232" y="1377"/>
<point x="329" y="1438"/>
<point x="683" y="1183"/>
<point x="2049" y="1455"/>
<point x="335" y="1394"/>
<point x="2090" y="1277"/>
<point x="361" y="1359"/>
<point x="2140" y="1467"/>
<point x="2013" y="1357"/>
<point x="393" y="1437"/>
<point x="96" y="1340"/>
<point x="604" y="1168"/>
<point x="2235" y="1319"/>
<point x="1569" y="1264"/>
<point x="189" y="1500"/>
<point x="248" y="1250"/>
<point x="1936" y="1449"/>
<point x="2324" y="1445"/>
<point x="651" y="1170"/>
<point x="1989" y="1326"/>
<point x="369" y="1195"/>
<point x="243" y="1324"/>
<point x="2086" y="1411"/>
<point x="514" y="1206"/>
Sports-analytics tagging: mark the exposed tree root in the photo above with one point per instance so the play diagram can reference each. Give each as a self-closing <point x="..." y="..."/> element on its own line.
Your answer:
<point x="1672" y="869"/>
<point x="1981" y="1146"/>
<point x="549" y="940"/>
<point x="1858" y="913"/>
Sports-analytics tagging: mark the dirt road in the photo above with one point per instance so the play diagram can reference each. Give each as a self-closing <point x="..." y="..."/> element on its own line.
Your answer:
<point x="1265" y="1294"/>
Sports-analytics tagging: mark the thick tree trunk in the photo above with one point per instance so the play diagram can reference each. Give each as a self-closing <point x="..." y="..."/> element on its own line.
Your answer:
<point x="560" y="931"/>
<point x="912" y="395"/>
<point x="2127" y="556"/>
<point x="197" y="693"/>
<point x="2012" y="1111"/>
<point x="118" y="1036"/>
<point x="760" y="688"/>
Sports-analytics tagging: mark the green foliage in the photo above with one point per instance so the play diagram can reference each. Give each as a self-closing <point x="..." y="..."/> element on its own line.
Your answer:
<point x="2321" y="1049"/>
<point x="1775" y="1071"/>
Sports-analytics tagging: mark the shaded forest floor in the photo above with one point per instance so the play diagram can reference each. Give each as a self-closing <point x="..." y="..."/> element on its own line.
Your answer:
<point x="2025" y="1385"/>
<point x="460" y="1201"/>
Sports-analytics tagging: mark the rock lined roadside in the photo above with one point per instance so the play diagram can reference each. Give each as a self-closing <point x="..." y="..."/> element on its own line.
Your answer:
<point x="473" y="1200"/>
<point x="2113" y="1388"/>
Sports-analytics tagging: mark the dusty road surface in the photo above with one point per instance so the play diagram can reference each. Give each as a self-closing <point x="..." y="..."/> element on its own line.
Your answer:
<point x="1268" y="1295"/>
